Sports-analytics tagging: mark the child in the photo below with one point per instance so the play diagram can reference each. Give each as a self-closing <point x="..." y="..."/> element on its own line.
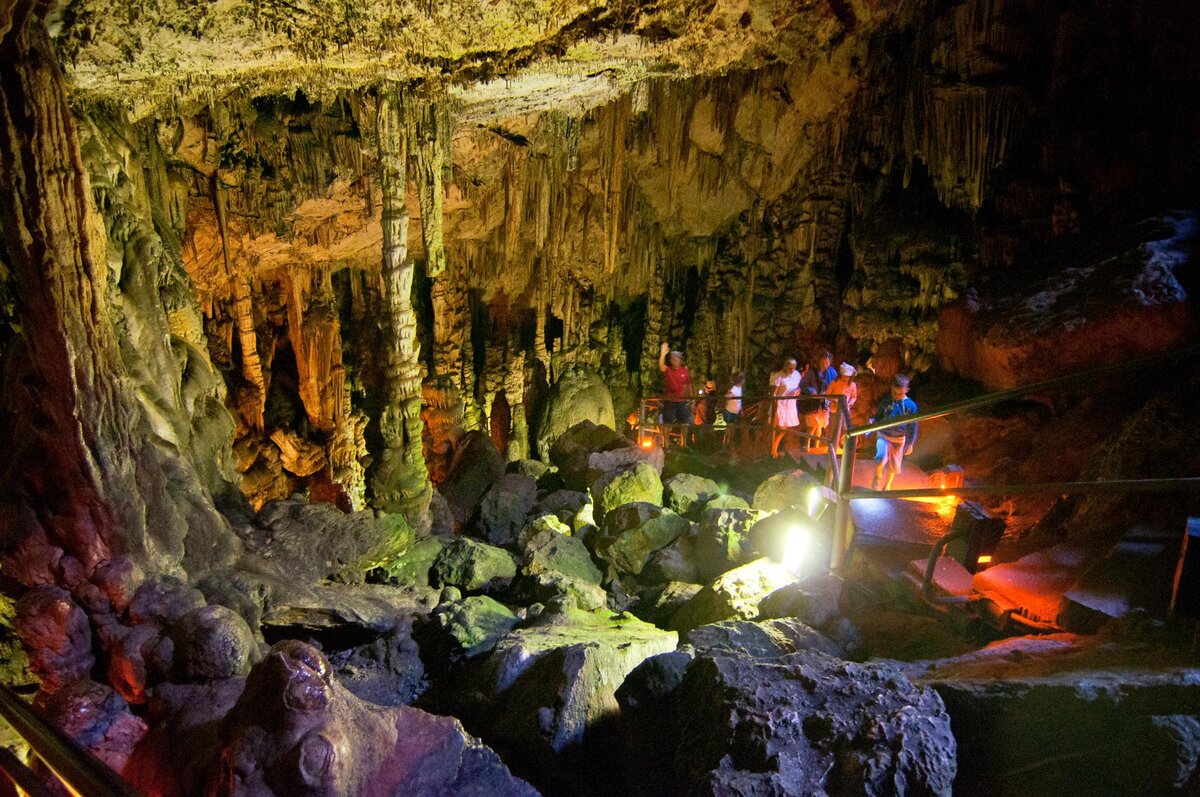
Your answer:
<point x="733" y="399"/>
<point x="896" y="442"/>
<point x="816" y="382"/>
<point x="844" y="386"/>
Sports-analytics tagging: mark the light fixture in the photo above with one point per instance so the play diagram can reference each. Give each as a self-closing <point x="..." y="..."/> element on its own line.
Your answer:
<point x="816" y="503"/>
<point x="647" y="443"/>
<point x="796" y="545"/>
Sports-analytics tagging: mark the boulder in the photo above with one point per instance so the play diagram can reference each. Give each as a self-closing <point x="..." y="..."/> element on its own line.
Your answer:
<point x="807" y="723"/>
<point x="295" y="730"/>
<point x="503" y="511"/>
<point x="639" y="482"/>
<point x="764" y="640"/>
<point x="632" y="532"/>
<point x="550" y="551"/>
<point x="412" y="567"/>
<point x="475" y="468"/>
<point x="550" y="684"/>
<point x="659" y="606"/>
<point x="212" y="643"/>
<point x="602" y="462"/>
<point x="723" y="540"/>
<point x="469" y="627"/>
<point x="688" y="494"/>
<point x="579" y="395"/>
<point x="571" y="450"/>
<point x="473" y="567"/>
<point x="787" y="490"/>
<point x="726" y="502"/>
<point x="1123" y="715"/>
<point x="814" y="601"/>
<point x="558" y="569"/>
<point x="735" y="595"/>
<point x="563" y="504"/>
<point x="539" y="524"/>
<point x="676" y="562"/>
<point x="315" y="542"/>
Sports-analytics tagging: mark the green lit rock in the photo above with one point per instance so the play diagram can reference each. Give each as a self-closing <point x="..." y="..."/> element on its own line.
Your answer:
<point x="538" y="525"/>
<point x="631" y="534"/>
<point x="687" y="494"/>
<point x="736" y="595"/>
<point x="723" y="540"/>
<point x="626" y="486"/>
<point x="548" y="685"/>
<point x="473" y="567"/>
<point x="412" y="566"/>
<point x="559" y="571"/>
<point x="550" y="551"/>
<point x="727" y="502"/>
<point x="474" y="625"/>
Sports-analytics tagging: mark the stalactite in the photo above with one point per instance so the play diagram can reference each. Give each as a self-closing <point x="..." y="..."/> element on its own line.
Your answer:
<point x="429" y="133"/>
<point x="616" y="182"/>
<point x="252" y="369"/>
<point x="400" y="482"/>
<point x="243" y="312"/>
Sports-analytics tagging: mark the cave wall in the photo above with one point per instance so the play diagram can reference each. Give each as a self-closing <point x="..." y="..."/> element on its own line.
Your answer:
<point x="119" y="438"/>
<point x="848" y="200"/>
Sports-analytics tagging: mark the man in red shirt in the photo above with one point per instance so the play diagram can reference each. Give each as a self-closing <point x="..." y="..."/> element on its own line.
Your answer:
<point x="677" y="386"/>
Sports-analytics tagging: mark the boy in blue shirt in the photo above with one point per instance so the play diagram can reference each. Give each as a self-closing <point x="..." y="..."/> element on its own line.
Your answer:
<point x="896" y="442"/>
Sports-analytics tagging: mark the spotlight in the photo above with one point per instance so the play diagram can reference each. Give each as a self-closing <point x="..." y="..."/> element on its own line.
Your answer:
<point x="816" y="503"/>
<point x="796" y="546"/>
<point x="647" y="443"/>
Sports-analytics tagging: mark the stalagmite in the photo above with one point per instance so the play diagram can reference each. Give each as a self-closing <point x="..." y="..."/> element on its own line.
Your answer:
<point x="400" y="482"/>
<point x="514" y="392"/>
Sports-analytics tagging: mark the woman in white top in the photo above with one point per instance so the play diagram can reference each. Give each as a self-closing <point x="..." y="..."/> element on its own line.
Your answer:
<point x="785" y="382"/>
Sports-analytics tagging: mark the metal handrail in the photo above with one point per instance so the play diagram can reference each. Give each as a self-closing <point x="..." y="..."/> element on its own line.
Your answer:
<point x="1111" y="486"/>
<point x="1057" y="383"/>
<point x="22" y="776"/>
<point x="846" y="492"/>
<point x="82" y="772"/>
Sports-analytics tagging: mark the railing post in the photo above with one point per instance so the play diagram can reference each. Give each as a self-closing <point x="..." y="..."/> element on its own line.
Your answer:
<point x="641" y="437"/>
<point x="841" y="515"/>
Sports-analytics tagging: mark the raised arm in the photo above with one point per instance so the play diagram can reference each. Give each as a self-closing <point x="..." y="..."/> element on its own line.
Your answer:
<point x="663" y="350"/>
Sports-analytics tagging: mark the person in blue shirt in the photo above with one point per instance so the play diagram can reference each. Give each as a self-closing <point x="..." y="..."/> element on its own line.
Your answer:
<point x="898" y="441"/>
<point x="817" y="382"/>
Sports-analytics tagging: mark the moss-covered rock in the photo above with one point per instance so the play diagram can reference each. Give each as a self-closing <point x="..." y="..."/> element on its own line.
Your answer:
<point x="633" y="532"/>
<point x="687" y="493"/>
<point x="472" y="626"/>
<point x="625" y="486"/>
<point x="472" y="567"/>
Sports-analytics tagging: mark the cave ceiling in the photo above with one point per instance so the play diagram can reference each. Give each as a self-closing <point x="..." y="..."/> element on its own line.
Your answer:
<point x="502" y="56"/>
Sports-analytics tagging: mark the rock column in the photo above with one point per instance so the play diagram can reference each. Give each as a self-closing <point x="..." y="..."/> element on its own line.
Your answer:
<point x="400" y="482"/>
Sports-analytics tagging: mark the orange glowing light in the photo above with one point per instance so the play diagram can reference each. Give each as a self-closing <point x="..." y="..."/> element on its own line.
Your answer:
<point x="647" y="444"/>
<point x="986" y="559"/>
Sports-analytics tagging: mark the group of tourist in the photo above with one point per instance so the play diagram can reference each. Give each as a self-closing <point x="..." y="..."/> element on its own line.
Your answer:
<point x="789" y="385"/>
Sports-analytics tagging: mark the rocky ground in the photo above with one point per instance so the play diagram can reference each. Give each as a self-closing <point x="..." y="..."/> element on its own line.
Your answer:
<point x="584" y="627"/>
